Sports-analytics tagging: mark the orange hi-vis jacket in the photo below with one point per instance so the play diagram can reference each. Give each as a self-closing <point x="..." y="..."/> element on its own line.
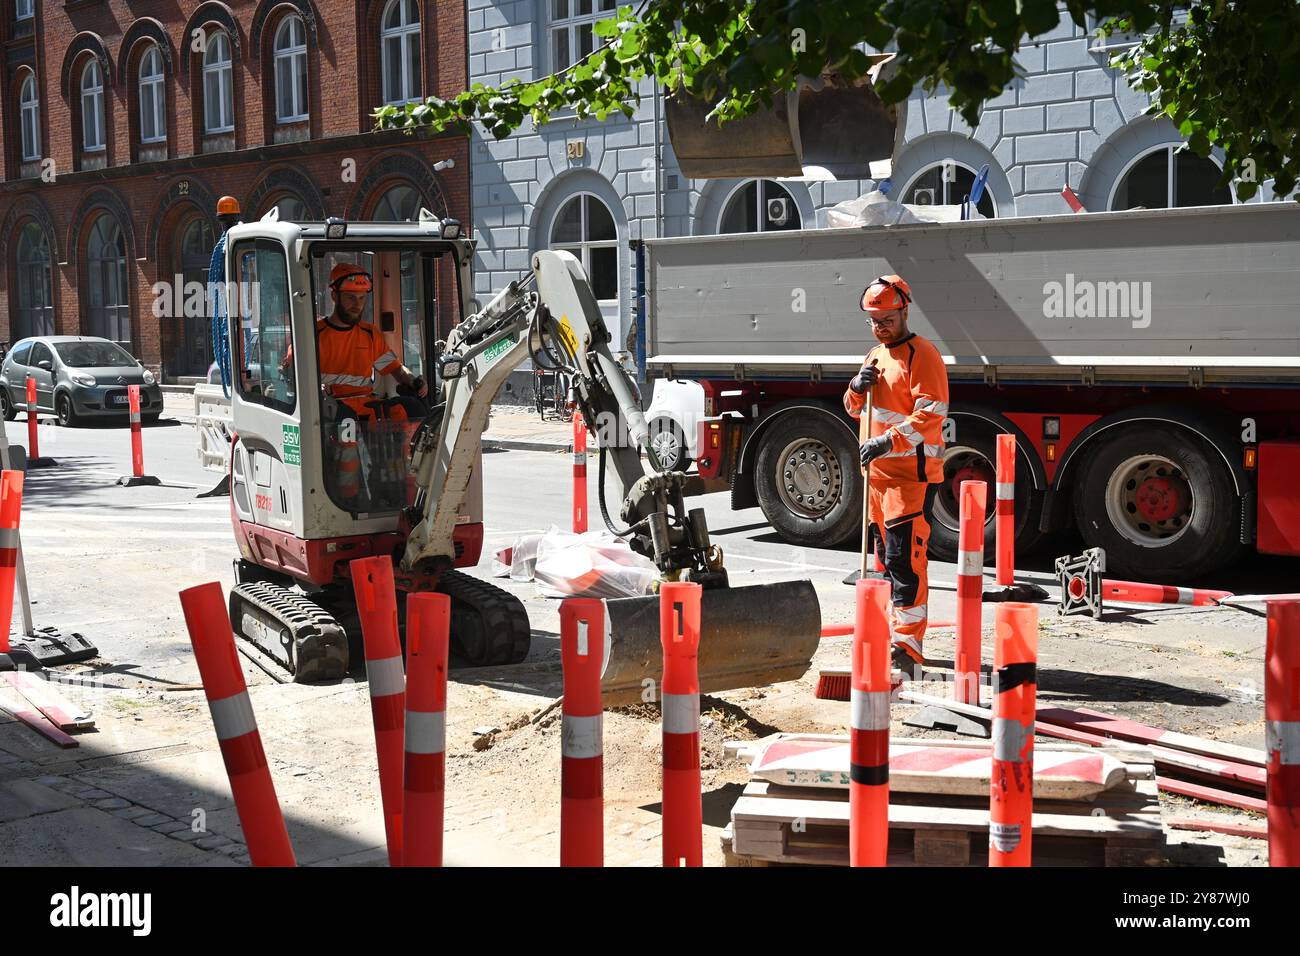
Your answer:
<point x="351" y="359"/>
<point x="910" y="402"/>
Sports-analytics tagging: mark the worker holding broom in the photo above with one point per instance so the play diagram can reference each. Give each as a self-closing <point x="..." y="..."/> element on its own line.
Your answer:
<point x="905" y="379"/>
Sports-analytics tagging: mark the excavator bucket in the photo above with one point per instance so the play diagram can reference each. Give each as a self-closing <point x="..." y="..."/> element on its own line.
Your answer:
<point x="749" y="636"/>
<point x="828" y="123"/>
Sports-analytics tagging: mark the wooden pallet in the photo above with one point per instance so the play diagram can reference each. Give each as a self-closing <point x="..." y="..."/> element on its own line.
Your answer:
<point x="775" y="825"/>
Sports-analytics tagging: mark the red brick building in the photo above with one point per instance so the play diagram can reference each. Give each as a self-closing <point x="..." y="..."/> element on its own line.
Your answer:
<point x="121" y="123"/>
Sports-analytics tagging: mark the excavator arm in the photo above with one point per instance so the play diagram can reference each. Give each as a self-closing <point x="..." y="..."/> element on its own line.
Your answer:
<point x="553" y="317"/>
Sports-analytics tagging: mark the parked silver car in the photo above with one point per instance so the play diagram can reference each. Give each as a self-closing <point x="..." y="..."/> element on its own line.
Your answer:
<point x="77" y="377"/>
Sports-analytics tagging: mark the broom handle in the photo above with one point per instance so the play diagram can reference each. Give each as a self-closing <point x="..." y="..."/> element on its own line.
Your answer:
<point x="864" y="432"/>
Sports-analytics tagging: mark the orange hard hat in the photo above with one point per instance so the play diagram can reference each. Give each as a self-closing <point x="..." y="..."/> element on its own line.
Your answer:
<point x="349" y="277"/>
<point x="887" y="294"/>
<point x="227" y="206"/>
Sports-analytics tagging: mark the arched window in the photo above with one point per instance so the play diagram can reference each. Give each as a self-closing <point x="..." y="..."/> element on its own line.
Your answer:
<point x="292" y="209"/>
<point x="585" y="228"/>
<point x="191" y="348"/>
<point x="751" y="209"/>
<point x="291" y="71"/>
<point x="218" y="85"/>
<point x="153" y="97"/>
<point x="399" y="204"/>
<point x="109" y="311"/>
<point x="946" y="184"/>
<point x="1166" y="178"/>
<point x="35" y="306"/>
<point x="29" y="109"/>
<point x="92" y="107"/>
<point x="399" y="51"/>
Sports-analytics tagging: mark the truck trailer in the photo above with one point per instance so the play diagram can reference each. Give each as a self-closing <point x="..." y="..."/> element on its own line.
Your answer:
<point x="1147" y="361"/>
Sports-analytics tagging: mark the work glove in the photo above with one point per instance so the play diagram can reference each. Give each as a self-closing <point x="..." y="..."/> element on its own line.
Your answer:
<point x="873" y="448"/>
<point x="866" y="377"/>
<point x="420" y="386"/>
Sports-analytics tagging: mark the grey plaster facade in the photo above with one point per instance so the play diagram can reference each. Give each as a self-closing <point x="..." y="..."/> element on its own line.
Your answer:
<point x="1071" y="119"/>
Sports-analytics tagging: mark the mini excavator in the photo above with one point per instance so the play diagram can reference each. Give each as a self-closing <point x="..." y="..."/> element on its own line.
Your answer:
<point x="421" y="498"/>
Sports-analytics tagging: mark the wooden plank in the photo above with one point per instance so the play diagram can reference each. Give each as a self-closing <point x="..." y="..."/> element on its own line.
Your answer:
<point x="984" y="713"/>
<point x="1212" y="794"/>
<point x="1095" y="722"/>
<point x="942" y="848"/>
<point x="1254" y="831"/>
<point x="60" y="712"/>
<point x="34" y="719"/>
<point x="1240" y="773"/>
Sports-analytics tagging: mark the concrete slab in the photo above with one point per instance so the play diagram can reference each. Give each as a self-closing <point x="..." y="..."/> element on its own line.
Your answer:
<point x="26" y="798"/>
<point x="88" y="837"/>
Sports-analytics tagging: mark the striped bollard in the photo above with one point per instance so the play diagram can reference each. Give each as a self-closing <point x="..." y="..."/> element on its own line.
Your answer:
<point x="1139" y="593"/>
<point x="579" y="473"/>
<point x="1015" y="688"/>
<point x="428" y="625"/>
<point x="232" y="716"/>
<point x="1006" y="509"/>
<point x="11" y="509"/>
<point x="137" y="476"/>
<point x="1282" y="731"/>
<point x="372" y="581"/>
<point x="582" y="803"/>
<point x="869" y="727"/>
<point x="970" y="592"/>
<point x="32" y="438"/>
<point x="683" y="807"/>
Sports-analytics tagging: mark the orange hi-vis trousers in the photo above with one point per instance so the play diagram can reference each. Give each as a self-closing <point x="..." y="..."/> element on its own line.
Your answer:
<point x="903" y="509"/>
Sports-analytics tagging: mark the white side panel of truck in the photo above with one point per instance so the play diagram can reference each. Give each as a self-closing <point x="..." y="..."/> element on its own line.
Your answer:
<point x="1182" y="295"/>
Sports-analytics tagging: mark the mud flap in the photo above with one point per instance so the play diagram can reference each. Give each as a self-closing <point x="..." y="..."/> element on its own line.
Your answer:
<point x="749" y="636"/>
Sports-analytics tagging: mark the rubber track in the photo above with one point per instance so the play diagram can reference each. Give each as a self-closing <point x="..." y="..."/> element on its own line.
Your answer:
<point x="320" y="643"/>
<point x="502" y="615"/>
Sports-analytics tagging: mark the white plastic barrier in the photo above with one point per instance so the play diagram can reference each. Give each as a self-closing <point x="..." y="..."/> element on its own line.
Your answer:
<point x="212" y="420"/>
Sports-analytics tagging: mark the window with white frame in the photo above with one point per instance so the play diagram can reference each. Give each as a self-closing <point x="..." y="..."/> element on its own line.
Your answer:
<point x="1168" y="178"/>
<point x="291" y="71"/>
<point x="572" y="37"/>
<point x="24" y="10"/>
<point x="399" y="51"/>
<point x="153" y="97"/>
<point x="218" y="85"/>
<point x="759" y="206"/>
<point x="947" y="184"/>
<point x="29" y="112"/>
<point x="585" y="228"/>
<point x="92" y="107"/>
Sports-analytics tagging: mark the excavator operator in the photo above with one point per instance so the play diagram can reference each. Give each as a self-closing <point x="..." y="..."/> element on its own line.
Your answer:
<point x="353" y="355"/>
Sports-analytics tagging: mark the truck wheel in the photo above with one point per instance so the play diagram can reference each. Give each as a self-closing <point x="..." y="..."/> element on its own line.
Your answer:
<point x="1162" y="505"/>
<point x="808" y="480"/>
<point x="971" y="458"/>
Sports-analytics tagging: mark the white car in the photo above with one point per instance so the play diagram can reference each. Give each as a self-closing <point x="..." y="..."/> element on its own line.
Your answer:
<point x="674" y="416"/>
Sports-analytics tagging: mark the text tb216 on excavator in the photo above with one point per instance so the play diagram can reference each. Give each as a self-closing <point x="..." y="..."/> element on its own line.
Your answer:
<point x="318" y="481"/>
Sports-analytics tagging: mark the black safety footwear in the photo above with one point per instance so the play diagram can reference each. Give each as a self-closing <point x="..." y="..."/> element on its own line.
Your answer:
<point x="909" y="666"/>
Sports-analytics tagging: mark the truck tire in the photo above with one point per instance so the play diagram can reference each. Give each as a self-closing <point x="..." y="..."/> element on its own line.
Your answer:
<point x="1162" y="504"/>
<point x="808" y="480"/>
<point x="971" y="457"/>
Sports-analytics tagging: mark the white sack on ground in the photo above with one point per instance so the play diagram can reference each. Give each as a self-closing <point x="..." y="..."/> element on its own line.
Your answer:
<point x="594" y="564"/>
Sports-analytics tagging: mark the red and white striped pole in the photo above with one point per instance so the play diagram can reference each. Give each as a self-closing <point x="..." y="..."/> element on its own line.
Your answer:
<point x="579" y="473"/>
<point x="1006" y="509"/>
<point x="1015" y="689"/>
<point x="1139" y="593"/>
<point x="869" y="727"/>
<point x="372" y="582"/>
<point x="970" y="592"/>
<point x="582" y="780"/>
<point x="11" y="509"/>
<point x="428" y="625"/>
<point x="32" y="439"/>
<point x="137" y="476"/>
<point x="683" y="807"/>
<point x="232" y="716"/>
<point x="1282" y="731"/>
